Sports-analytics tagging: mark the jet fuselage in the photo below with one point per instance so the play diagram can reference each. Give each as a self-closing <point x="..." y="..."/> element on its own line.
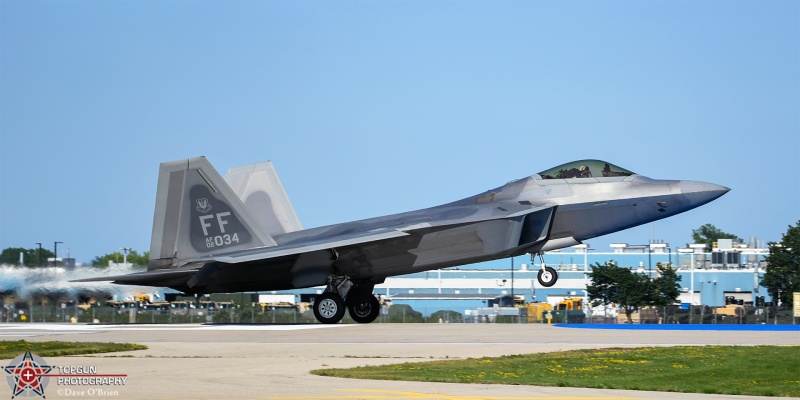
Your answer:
<point x="241" y="234"/>
<point x="472" y="230"/>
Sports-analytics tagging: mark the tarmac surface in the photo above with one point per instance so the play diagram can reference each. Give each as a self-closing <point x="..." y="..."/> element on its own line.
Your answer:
<point x="273" y="361"/>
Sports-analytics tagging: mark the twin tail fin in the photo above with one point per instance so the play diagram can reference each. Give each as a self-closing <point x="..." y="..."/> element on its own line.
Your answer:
<point x="198" y="214"/>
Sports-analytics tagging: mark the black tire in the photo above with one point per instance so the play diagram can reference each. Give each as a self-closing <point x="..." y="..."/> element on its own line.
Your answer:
<point x="329" y="308"/>
<point x="547" y="276"/>
<point x="364" y="309"/>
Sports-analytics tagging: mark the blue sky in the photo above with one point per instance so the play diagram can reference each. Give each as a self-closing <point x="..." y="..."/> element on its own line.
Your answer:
<point x="371" y="108"/>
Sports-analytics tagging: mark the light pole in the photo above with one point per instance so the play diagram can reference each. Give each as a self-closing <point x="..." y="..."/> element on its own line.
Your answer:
<point x="125" y="256"/>
<point x="695" y="247"/>
<point x="653" y="247"/>
<point x="669" y="252"/>
<point x="55" y="253"/>
<point x="512" y="281"/>
<point x="691" y="288"/>
<point x="584" y="247"/>
<point x="39" y="255"/>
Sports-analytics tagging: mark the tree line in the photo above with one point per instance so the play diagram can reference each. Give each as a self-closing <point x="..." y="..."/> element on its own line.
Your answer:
<point x="631" y="291"/>
<point x="36" y="258"/>
<point x="610" y="284"/>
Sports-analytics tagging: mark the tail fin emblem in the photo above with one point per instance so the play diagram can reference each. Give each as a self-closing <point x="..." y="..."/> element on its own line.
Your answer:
<point x="203" y="205"/>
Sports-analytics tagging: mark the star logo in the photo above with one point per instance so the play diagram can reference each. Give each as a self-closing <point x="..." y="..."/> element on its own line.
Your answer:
<point x="27" y="375"/>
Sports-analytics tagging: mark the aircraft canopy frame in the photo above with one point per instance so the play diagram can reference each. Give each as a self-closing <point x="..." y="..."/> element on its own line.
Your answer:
<point x="585" y="169"/>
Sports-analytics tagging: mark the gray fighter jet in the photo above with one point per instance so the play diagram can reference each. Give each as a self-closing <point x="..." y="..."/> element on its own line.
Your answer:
<point x="239" y="234"/>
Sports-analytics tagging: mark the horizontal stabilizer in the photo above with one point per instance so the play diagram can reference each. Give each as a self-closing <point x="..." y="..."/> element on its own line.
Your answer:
<point x="162" y="277"/>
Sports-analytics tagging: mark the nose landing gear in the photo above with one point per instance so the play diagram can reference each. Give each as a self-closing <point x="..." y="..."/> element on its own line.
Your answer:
<point x="547" y="276"/>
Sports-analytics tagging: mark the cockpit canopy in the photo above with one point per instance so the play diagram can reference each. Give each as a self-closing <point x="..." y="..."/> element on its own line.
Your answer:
<point x="585" y="169"/>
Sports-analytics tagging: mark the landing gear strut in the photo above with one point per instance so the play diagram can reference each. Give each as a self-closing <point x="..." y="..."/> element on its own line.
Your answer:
<point x="547" y="276"/>
<point x="329" y="307"/>
<point x="358" y="299"/>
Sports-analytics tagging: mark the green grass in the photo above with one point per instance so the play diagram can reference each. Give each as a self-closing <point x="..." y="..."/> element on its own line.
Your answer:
<point x="737" y="370"/>
<point x="11" y="349"/>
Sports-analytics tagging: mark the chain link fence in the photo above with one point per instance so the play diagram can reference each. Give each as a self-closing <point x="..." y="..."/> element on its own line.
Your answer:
<point x="68" y="313"/>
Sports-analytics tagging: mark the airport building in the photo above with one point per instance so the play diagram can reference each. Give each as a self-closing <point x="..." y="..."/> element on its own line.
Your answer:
<point x="731" y="271"/>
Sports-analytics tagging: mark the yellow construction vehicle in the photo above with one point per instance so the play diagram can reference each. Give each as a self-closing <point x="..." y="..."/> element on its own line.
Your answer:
<point x="536" y="312"/>
<point x="142" y="298"/>
<point x="570" y="304"/>
<point x="569" y="310"/>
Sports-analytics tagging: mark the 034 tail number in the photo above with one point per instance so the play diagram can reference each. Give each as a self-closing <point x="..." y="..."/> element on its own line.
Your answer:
<point x="223" y="239"/>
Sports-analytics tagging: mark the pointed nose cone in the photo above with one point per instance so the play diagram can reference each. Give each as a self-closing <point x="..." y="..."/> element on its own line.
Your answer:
<point x="699" y="193"/>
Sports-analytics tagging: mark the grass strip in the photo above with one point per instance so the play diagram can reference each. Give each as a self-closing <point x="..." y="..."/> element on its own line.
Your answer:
<point x="12" y="348"/>
<point x="737" y="370"/>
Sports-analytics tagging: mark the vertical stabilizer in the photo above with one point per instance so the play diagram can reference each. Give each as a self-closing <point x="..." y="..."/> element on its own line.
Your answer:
<point x="261" y="191"/>
<point x="197" y="214"/>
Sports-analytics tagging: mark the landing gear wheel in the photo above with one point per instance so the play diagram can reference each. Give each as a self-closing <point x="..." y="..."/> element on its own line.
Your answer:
<point x="364" y="309"/>
<point x="547" y="276"/>
<point x="329" y="308"/>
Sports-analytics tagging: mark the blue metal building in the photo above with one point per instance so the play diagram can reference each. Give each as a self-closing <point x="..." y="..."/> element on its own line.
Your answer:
<point x="707" y="277"/>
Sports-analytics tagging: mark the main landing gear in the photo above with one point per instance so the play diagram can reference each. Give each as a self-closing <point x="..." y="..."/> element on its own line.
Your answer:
<point x="547" y="276"/>
<point x="364" y="308"/>
<point x="329" y="307"/>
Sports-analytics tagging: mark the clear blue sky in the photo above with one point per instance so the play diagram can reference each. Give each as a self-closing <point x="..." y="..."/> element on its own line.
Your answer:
<point x="371" y="108"/>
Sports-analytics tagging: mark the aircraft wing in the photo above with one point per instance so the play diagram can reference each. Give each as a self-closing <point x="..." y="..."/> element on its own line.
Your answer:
<point x="304" y="247"/>
<point x="158" y="277"/>
<point x="304" y="253"/>
<point x="360" y="237"/>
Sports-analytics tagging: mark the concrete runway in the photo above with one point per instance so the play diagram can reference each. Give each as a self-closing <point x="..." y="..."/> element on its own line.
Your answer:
<point x="273" y="361"/>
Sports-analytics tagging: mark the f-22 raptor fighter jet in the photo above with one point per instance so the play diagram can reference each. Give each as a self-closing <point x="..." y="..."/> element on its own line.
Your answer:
<point x="241" y="233"/>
